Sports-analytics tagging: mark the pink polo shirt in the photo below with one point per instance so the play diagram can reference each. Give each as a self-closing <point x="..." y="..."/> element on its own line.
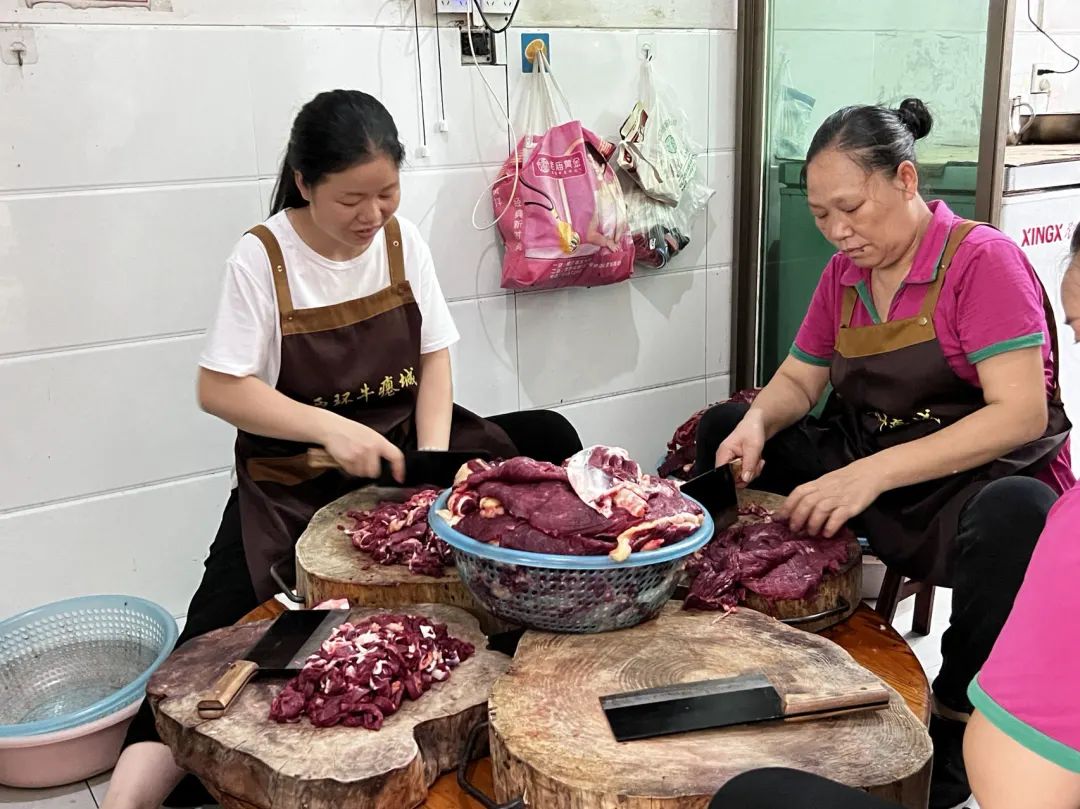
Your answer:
<point x="1027" y="687"/>
<point x="991" y="302"/>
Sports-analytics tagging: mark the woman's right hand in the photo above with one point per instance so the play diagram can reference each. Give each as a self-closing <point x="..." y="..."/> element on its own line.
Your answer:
<point x="744" y="444"/>
<point x="360" y="451"/>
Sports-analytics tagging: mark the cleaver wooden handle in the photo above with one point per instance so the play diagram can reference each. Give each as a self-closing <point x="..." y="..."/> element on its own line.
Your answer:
<point x="222" y="693"/>
<point x="321" y="459"/>
<point x="816" y="706"/>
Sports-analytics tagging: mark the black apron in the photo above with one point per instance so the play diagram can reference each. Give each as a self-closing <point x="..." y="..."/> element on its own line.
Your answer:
<point x="360" y="359"/>
<point x="892" y="384"/>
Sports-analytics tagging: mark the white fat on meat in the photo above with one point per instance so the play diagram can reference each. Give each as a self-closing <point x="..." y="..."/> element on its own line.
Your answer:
<point x="605" y="478"/>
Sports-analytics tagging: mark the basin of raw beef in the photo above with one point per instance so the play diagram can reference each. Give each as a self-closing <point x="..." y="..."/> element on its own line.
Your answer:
<point x="364" y="671"/>
<point x="598" y="503"/>
<point x="765" y="557"/>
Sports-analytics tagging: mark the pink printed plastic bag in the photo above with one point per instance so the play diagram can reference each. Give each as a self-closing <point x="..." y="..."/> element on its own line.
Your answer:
<point x="567" y="223"/>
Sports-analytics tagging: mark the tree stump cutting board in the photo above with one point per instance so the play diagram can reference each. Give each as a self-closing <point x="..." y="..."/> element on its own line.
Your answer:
<point x="835" y="599"/>
<point x="328" y="566"/>
<point x="248" y="760"/>
<point x="551" y="742"/>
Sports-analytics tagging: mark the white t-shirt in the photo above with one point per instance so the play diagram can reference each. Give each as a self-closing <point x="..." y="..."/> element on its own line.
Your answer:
<point x="245" y="337"/>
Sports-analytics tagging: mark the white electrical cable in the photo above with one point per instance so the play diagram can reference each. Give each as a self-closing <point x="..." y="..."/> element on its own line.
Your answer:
<point x="513" y="141"/>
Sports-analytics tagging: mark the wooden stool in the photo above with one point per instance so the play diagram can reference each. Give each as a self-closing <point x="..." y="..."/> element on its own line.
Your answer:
<point x="894" y="589"/>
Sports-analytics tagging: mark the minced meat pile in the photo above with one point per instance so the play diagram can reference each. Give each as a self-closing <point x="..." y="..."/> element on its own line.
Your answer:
<point x="765" y="557"/>
<point x="398" y="534"/>
<point x="364" y="670"/>
<point x="598" y="503"/>
<point x="682" y="448"/>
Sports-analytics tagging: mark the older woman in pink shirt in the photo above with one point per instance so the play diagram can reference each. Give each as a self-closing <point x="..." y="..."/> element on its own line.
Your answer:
<point x="944" y="440"/>
<point x="1022" y="745"/>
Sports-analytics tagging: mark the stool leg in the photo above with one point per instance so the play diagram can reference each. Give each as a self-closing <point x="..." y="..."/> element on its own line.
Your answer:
<point x="889" y="595"/>
<point x="924" y="610"/>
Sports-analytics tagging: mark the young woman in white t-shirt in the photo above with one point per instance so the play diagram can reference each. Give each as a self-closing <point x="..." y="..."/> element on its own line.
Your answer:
<point x="332" y="332"/>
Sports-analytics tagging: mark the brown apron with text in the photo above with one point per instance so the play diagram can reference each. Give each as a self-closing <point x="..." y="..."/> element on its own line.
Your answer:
<point x="359" y="359"/>
<point x="892" y="384"/>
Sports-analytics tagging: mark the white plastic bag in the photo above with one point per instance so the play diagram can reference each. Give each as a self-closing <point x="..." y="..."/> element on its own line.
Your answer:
<point x="791" y="110"/>
<point x="656" y="149"/>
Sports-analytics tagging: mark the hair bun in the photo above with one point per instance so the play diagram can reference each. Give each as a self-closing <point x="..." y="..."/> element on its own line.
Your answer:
<point x="916" y="117"/>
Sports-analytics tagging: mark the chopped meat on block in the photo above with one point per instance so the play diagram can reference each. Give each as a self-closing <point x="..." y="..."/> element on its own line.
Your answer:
<point x="363" y="671"/>
<point x="764" y="557"/>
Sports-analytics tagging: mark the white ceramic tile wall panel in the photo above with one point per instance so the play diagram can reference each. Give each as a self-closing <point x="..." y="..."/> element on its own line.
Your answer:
<point x="891" y="15"/>
<point x="1031" y="47"/>
<point x="476" y="118"/>
<point x="1059" y="15"/>
<point x="284" y="76"/>
<point x="440" y="202"/>
<point x="814" y="69"/>
<point x="721" y="210"/>
<point x="577" y="344"/>
<point x="600" y="70"/>
<point x="152" y="105"/>
<point x="641" y="422"/>
<point x="103" y="266"/>
<point x="147" y="542"/>
<point x="380" y="61"/>
<point x="628" y="14"/>
<point x="722" y="91"/>
<point x="718" y="321"/>
<point x="717" y="388"/>
<point x="103" y="419"/>
<point x="217" y="12"/>
<point x="485" y="359"/>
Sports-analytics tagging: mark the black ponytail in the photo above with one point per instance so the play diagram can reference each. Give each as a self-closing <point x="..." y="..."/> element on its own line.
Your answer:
<point x="334" y="131"/>
<point x="1074" y="246"/>
<point x="877" y="138"/>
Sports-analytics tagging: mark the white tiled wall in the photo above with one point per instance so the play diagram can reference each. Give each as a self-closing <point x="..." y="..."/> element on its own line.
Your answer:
<point x="141" y="144"/>
<point x="1060" y="19"/>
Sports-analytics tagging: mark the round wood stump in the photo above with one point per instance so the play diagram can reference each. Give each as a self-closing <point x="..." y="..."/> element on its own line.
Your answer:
<point x="835" y="599"/>
<point x="328" y="566"/>
<point x="248" y="760"/>
<point x="551" y="742"/>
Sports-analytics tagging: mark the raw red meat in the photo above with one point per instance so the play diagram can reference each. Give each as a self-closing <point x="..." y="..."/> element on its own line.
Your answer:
<point x="534" y="506"/>
<point x="682" y="448"/>
<point x="763" y="557"/>
<point x="363" y="671"/>
<point x="398" y="534"/>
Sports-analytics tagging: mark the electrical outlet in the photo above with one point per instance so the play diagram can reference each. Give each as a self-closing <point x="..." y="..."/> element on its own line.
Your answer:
<point x="482" y="49"/>
<point x="452" y="6"/>
<point x="1039" y="84"/>
<point x="498" y="6"/>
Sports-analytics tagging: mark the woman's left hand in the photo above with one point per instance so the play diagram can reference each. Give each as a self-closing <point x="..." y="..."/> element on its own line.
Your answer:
<point x="825" y="505"/>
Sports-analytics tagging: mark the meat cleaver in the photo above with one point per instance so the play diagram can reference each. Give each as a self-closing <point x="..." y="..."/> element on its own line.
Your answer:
<point x="422" y="467"/>
<point x="720" y="703"/>
<point x="716" y="491"/>
<point x="292" y="638"/>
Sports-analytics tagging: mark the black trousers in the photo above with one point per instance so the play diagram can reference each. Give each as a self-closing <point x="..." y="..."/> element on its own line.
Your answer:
<point x="225" y="594"/>
<point x="997" y="534"/>
<point x="777" y="788"/>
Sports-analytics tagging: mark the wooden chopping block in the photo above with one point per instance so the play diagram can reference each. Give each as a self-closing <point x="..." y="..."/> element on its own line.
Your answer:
<point x="837" y="596"/>
<point x="248" y="760"/>
<point x="551" y="742"/>
<point x="328" y="566"/>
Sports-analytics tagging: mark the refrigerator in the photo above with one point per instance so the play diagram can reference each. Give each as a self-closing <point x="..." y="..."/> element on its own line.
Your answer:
<point x="1040" y="207"/>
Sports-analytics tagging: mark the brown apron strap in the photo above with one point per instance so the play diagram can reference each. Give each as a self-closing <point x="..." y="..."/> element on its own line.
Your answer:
<point x="277" y="269"/>
<point x="394" y="253"/>
<point x="847" y="307"/>
<point x="957" y="235"/>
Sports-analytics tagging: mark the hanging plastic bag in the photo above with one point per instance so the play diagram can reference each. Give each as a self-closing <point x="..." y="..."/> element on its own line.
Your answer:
<point x="791" y="115"/>
<point x="566" y="223"/>
<point x="656" y="150"/>
<point x="658" y="235"/>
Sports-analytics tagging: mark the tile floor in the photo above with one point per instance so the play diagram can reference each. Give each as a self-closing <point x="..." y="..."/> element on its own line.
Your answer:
<point x="89" y="795"/>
